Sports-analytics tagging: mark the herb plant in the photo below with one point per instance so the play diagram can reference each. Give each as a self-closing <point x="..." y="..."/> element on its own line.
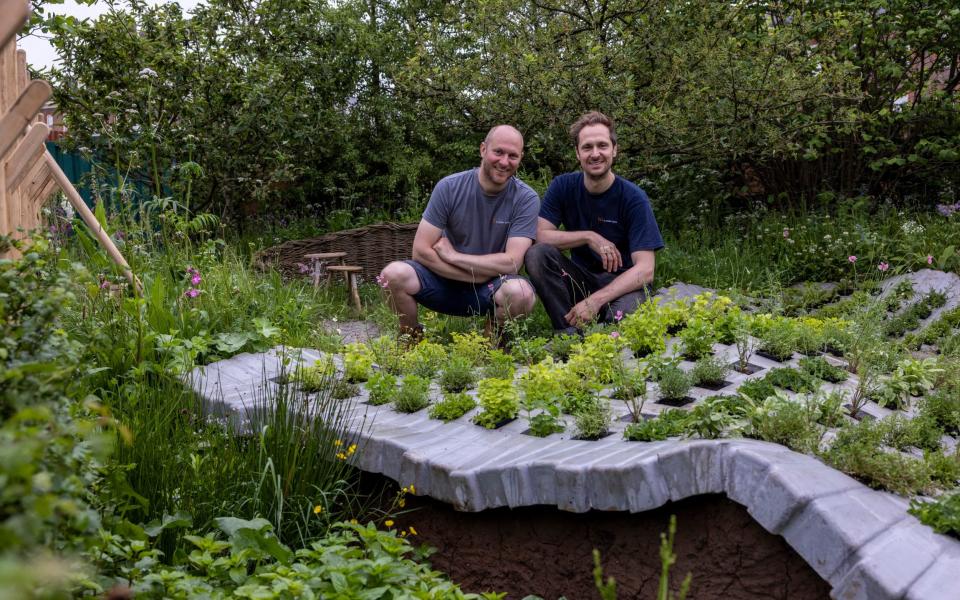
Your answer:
<point x="413" y="394"/>
<point x="710" y="370"/>
<point x="791" y="379"/>
<point x="457" y="375"/>
<point x="499" y="402"/>
<point x="382" y="387"/>
<point x="357" y="361"/>
<point x="593" y="420"/>
<point x="673" y="383"/>
<point x="697" y="339"/>
<point x="453" y="406"/>
<point x="669" y="423"/>
<point x="499" y="365"/>
<point x="819" y="367"/>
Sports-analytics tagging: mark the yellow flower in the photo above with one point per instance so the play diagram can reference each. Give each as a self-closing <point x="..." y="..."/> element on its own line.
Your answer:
<point x="403" y="534"/>
<point x="317" y="509"/>
<point x="413" y="531"/>
<point x="352" y="448"/>
<point x="353" y="521"/>
<point x="338" y="442"/>
<point x="341" y="456"/>
<point x="401" y="502"/>
<point x="388" y="523"/>
<point x="412" y="491"/>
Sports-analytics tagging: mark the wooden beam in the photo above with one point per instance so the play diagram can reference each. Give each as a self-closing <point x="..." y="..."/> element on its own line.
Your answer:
<point x="22" y="113"/>
<point x="25" y="156"/>
<point x="13" y="16"/>
<point x="91" y="221"/>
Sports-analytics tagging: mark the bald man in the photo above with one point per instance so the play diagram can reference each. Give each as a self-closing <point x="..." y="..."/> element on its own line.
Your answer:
<point x="471" y="242"/>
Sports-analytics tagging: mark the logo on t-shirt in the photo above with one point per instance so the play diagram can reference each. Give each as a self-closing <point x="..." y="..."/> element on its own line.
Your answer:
<point x="501" y="222"/>
<point x="610" y="221"/>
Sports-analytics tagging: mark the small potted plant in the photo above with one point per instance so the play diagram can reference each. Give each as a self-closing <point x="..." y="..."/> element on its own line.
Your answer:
<point x="697" y="339"/>
<point x="382" y="387"/>
<point x="709" y="372"/>
<point x="413" y="394"/>
<point x="674" y="385"/>
<point x="593" y="419"/>
<point x="457" y="375"/>
<point x="453" y="406"/>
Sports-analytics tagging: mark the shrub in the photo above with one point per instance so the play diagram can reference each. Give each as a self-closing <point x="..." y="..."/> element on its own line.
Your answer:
<point x="382" y="387"/>
<point x="780" y="339"/>
<point x="343" y="389"/>
<point x="597" y="358"/>
<point x="413" y="394"/>
<point x="943" y="407"/>
<point x="857" y="450"/>
<point x="561" y="345"/>
<point x="709" y="418"/>
<point x="809" y="334"/>
<point x="457" y="375"/>
<point x="453" y="406"/>
<point x="529" y="350"/>
<point x="499" y="400"/>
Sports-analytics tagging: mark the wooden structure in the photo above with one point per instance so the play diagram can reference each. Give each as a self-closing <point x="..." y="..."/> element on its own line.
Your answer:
<point x="29" y="176"/>
<point x="350" y="272"/>
<point x="370" y="247"/>
<point x="318" y="261"/>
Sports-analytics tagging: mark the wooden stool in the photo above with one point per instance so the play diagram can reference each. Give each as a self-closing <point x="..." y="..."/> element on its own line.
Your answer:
<point x="350" y="274"/>
<point x="318" y="261"/>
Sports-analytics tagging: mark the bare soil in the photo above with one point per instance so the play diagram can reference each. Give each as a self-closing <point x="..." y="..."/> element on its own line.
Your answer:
<point x="548" y="552"/>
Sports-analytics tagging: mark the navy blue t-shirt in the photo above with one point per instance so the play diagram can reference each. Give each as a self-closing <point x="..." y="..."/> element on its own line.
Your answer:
<point x="622" y="214"/>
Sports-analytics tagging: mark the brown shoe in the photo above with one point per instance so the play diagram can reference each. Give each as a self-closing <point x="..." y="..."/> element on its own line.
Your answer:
<point x="410" y="336"/>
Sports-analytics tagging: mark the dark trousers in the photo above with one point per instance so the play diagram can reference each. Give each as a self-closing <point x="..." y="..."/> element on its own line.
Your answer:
<point x="560" y="283"/>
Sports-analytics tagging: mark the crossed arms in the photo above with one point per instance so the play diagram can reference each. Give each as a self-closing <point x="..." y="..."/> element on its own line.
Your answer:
<point x="436" y="253"/>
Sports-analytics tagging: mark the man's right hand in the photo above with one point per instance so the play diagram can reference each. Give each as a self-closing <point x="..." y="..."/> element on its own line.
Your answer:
<point x="612" y="260"/>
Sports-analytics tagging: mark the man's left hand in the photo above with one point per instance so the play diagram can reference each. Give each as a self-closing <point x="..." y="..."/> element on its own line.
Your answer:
<point x="582" y="313"/>
<point x="445" y="250"/>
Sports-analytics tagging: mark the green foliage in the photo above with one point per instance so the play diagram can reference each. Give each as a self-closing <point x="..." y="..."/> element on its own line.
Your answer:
<point x="791" y="379"/>
<point x="819" y="367"/>
<point x="779" y="338"/>
<point x="453" y="406"/>
<point x="529" y="350"/>
<point x="667" y="559"/>
<point x="597" y="358"/>
<point x="545" y="423"/>
<point x="757" y="390"/>
<point x="560" y="346"/>
<point x="592" y="420"/>
<point x="709" y="418"/>
<point x="413" y="394"/>
<point x="669" y="423"/>
<point x="644" y="331"/>
<point x="457" y="375"/>
<point x="425" y="359"/>
<point x="318" y="376"/>
<point x="792" y="423"/>
<point x="470" y="346"/>
<point x="350" y="561"/>
<point x="942" y="514"/>
<point x="631" y="387"/>
<point x="499" y="400"/>
<point x="673" y="382"/>
<point x="382" y="387"/>
<point x="357" y="362"/>
<point x="697" y="338"/>
<point x="499" y="365"/>
<point x="710" y="370"/>
<point x="343" y="389"/>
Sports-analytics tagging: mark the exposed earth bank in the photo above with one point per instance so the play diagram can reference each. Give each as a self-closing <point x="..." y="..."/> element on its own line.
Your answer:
<point x="548" y="552"/>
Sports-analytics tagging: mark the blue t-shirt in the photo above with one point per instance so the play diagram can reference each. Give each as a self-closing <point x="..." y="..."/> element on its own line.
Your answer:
<point x="622" y="214"/>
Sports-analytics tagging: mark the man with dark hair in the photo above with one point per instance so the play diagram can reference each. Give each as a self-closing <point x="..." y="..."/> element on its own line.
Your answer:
<point x="609" y="229"/>
<point x="471" y="242"/>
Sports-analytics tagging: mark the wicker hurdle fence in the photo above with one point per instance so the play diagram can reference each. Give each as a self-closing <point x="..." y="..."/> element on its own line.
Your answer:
<point x="370" y="247"/>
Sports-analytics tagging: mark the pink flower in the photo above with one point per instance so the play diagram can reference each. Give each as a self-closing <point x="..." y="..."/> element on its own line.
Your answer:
<point x="883" y="266"/>
<point x="786" y="232"/>
<point x="303" y="268"/>
<point x="104" y="284"/>
<point x="490" y="286"/>
<point x="852" y="258"/>
<point x="192" y="293"/>
<point x="382" y="282"/>
<point x="617" y="316"/>
<point x="195" y="280"/>
<point x="615" y="334"/>
<point x="929" y="259"/>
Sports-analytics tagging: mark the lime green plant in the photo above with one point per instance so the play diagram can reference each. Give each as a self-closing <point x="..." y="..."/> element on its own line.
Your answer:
<point x="425" y="359"/>
<point x="697" y="338"/>
<point x="645" y="330"/>
<point x="499" y="401"/>
<point x="457" y="375"/>
<point x="357" y="361"/>
<point x="470" y="346"/>
<point x="499" y="365"/>
<point x="597" y="358"/>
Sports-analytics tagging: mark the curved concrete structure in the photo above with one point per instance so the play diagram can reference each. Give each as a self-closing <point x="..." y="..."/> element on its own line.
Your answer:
<point x="862" y="542"/>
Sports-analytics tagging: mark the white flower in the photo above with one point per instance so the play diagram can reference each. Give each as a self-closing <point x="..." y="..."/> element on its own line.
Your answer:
<point x="147" y="72"/>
